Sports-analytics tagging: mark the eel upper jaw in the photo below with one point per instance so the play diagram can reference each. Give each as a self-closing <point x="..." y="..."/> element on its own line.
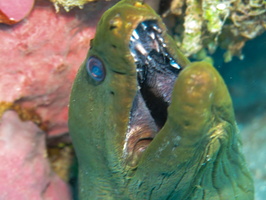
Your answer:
<point x="157" y="71"/>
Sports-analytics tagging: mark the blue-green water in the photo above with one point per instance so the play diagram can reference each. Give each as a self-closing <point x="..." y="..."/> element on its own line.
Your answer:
<point x="246" y="81"/>
<point x="246" y="78"/>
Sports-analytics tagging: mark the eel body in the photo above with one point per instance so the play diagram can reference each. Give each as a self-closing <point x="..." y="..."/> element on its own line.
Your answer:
<point x="148" y="124"/>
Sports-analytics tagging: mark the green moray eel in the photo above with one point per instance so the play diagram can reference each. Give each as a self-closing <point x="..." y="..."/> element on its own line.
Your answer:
<point x="147" y="123"/>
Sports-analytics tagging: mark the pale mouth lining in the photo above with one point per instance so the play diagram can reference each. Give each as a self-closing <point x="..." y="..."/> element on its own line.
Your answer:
<point x="156" y="74"/>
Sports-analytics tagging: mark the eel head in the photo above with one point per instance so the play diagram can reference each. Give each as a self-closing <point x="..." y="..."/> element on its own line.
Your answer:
<point x="148" y="124"/>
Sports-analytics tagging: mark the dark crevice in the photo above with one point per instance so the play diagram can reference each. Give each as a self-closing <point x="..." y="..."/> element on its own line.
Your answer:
<point x="112" y="27"/>
<point x="164" y="6"/>
<point x="156" y="105"/>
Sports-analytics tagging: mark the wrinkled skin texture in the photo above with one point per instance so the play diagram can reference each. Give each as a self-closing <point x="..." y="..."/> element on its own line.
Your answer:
<point x="196" y="155"/>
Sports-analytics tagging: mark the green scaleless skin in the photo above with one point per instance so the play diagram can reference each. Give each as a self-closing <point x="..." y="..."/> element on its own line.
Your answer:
<point x="197" y="153"/>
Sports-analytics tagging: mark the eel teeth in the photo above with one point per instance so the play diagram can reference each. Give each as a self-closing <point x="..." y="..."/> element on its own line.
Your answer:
<point x="144" y="26"/>
<point x="149" y="58"/>
<point x="157" y="46"/>
<point x="134" y="56"/>
<point x="165" y="54"/>
<point x="144" y="41"/>
<point x="135" y="35"/>
<point x="132" y="39"/>
<point x="156" y="28"/>
<point x="141" y="49"/>
<point x="152" y="35"/>
<point x="174" y="64"/>
<point x="160" y="38"/>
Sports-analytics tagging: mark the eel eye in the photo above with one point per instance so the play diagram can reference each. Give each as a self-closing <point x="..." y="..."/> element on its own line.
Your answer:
<point x="95" y="69"/>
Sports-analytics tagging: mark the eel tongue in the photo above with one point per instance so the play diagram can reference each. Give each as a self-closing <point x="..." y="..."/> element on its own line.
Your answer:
<point x="13" y="11"/>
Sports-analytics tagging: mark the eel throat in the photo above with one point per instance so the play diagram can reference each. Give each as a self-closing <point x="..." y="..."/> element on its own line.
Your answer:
<point x="157" y="71"/>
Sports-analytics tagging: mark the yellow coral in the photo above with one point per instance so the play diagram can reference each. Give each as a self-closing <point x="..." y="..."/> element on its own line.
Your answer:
<point x="68" y="4"/>
<point x="220" y="23"/>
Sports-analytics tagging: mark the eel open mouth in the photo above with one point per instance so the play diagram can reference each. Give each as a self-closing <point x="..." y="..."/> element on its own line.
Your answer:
<point x="157" y="71"/>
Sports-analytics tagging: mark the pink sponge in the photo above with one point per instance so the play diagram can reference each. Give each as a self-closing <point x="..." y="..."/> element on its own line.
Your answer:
<point x="25" y="172"/>
<point x="13" y="11"/>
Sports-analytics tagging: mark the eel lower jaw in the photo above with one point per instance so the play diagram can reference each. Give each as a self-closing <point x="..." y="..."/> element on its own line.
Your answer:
<point x="157" y="71"/>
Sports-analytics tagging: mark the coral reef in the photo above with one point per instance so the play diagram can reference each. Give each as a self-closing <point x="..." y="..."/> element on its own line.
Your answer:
<point x="205" y="25"/>
<point x="69" y="4"/>
<point x="210" y="24"/>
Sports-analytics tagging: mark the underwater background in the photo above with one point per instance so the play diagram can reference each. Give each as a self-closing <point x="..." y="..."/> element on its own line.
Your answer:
<point x="246" y="81"/>
<point x="45" y="46"/>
